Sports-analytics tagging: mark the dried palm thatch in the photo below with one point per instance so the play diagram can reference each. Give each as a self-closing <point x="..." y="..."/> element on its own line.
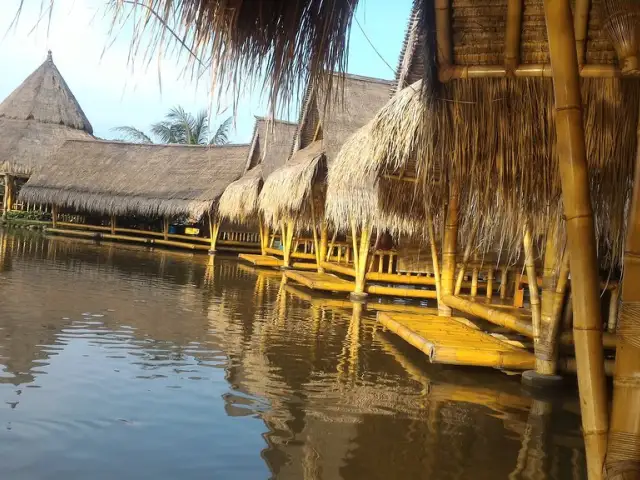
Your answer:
<point x="291" y="44"/>
<point x="269" y="150"/>
<point x="333" y="118"/>
<point x="36" y="118"/>
<point x="120" y="178"/>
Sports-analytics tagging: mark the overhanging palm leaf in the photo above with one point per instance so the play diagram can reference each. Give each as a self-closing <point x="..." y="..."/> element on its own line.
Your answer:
<point x="132" y="134"/>
<point x="221" y="136"/>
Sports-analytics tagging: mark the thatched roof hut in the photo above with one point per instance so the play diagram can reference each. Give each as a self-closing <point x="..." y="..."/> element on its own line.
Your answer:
<point x="36" y="118"/>
<point x="325" y="124"/>
<point x="118" y="178"/>
<point x="270" y="149"/>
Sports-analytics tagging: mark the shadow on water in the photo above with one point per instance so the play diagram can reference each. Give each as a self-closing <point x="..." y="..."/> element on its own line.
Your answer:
<point x="137" y="363"/>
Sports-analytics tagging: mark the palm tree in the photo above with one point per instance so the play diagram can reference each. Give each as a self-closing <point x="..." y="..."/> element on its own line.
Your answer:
<point x="180" y="126"/>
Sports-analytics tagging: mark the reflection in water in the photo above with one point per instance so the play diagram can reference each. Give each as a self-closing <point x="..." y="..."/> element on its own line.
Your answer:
<point x="140" y="364"/>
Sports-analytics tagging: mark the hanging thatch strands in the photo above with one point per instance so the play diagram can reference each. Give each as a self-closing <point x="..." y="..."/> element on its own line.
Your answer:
<point x="124" y="178"/>
<point x="36" y="118"/>
<point x="270" y="148"/>
<point x="621" y="21"/>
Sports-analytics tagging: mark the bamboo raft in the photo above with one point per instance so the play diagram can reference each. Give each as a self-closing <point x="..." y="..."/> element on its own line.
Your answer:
<point x="273" y="262"/>
<point x="453" y="340"/>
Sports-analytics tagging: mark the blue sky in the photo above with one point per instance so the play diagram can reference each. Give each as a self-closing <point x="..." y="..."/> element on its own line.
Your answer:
<point x="113" y="92"/>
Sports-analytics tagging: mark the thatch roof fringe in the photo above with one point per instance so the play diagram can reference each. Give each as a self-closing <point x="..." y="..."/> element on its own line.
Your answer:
<point x="120" y="178"/>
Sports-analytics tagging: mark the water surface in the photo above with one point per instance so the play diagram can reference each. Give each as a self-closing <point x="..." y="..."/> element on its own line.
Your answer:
<point x="122" y="362"/>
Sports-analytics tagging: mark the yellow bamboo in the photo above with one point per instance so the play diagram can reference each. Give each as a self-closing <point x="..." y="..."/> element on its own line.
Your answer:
<point x="214" y="230"/>
<point x="287" y="230"/>
<point x="490" y="284"/>
<point x="512" y="37"/>
<point x="8" y="192"/>
<point x="530" y="266"/>
<point x="361" y="269"/>
<point x="264" y="235"/>
<point x="112" y="224"/>
<point x="466" y="255"/>
<point x="165" y="227"/>
<point x="571" y="150"/>
<point x="581" y="22"/>
<point x="474" y="278"/>
<point x="450" y="238"/>
<point x="503" y="282"/>
<point x="623" y="454"/>
<point x="316" y="243"/>
<point x="434" y="253"/>
<point x="453" y="72"/>
<point x="54" y="216"/>
<point x="612" y="319"/>
<point x="322" y="254"/>
<point x="443" y="33"/>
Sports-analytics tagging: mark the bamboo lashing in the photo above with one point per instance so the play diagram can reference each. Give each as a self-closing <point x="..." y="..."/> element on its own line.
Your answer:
<point x="512" y="37"/>
<point x="450" y="238"/>
<point x="571" y="149"/>
<point x="623" y="454"/>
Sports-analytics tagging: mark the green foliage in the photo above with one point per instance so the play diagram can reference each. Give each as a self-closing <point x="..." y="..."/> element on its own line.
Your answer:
<point x="180" y="126"/>
<point x="31" y="215"/>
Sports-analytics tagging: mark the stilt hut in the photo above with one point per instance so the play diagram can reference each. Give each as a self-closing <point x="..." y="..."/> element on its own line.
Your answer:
<point x="269" y="150"/>
<point x="139" y="185"/>
<point x="35" y="120"/>
<point x="293" y="196"/>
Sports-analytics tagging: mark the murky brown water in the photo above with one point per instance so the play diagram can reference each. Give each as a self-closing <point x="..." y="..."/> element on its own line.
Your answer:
<point x="118" y="362"/>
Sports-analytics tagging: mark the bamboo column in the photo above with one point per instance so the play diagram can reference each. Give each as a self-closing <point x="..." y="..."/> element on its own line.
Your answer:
<point x="529" y="261"/>
<point x="623" y="455"/>
<point x="434" y="254"/>
<point x="504" y="273"/>
<point x="214" y="230"/>
<point x="9" y="189"/>
<point x="112" y="225"/>
<point x="512" y="38"/>
<point x="360" y="254"/>
<point x="54" y="216"/>
<point x="587" y="323"/>
<point x="165" y="227"/>
<point x="263" y="229"/>
<point x="322" y="254"/>
<point x="474" y="277"/>
<point x="490" y="284"/>
<point x="287" y="241"/>
<point x="316" y="241"/>
<point x="449" y="247"/>
<point x="466" y="255"/>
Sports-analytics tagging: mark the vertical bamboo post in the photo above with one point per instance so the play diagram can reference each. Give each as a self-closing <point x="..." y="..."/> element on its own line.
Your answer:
<point x="512" y="38"/>
<point x="612" y="319"/>
<point x="8" y="193"/>
<point x="361" y="269"/>
<point x="112" y="224"/>
<point x="443" y="33"/>
<point x="623" y="454"/>
<point x="214" y="230"/>
<point x="323" y="245"/>
<point x="474" y="277"/>
<point x="434" y="254"/>
<point x="287" y="233"/>
<point x="165" y="227"/>
<point x="581" y="24"/>
<point x="466" y="255"/>
<point x="587" y="323"/>
<point x="263" y="230"/>
<point x="449" y="246"/>
<point x="316" y="241"/>
<point x="504" y="273"/>
<point x="530" y="266"/>
<point x="54" y="215"/>
<point x="490" y="284"/>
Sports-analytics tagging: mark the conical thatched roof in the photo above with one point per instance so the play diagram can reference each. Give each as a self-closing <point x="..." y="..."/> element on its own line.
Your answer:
<point x="333" y="119"/>
<point x="36" y="118"/>
<point x="269" y="150"/>
<point x="46" y="98"/>
<point x="126" y="178"/>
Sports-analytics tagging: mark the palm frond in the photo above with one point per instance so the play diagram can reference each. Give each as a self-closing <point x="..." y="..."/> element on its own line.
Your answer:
<point x="132" y="134"/>
<point x="221" y="136"/>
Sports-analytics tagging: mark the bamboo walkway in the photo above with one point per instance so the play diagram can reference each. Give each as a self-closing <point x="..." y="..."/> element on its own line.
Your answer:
<point x="451" y="340"/>
<point x="320" y="281"/>
<point x="273" y="262"/>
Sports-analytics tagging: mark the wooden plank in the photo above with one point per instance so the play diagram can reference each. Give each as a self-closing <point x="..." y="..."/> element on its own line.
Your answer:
<point x="452" y="341"/>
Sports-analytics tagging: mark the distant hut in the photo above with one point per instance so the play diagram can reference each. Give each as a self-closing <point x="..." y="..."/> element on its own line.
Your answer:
<point x="293" y="195"/>
<point x="270" y="149"/>
<point x="35" y="120"/>
<point x="120" y="179"/>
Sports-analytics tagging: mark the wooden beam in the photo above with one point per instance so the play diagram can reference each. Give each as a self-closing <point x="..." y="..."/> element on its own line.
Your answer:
<point x="512" y="38"/>
<point x="581" y="239"/>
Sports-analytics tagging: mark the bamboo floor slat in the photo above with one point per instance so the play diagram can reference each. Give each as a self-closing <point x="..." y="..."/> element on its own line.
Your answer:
<point x="452" y="341"/>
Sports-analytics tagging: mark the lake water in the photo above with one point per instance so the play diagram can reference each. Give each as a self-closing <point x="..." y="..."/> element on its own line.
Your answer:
<point x="118" y="362"/>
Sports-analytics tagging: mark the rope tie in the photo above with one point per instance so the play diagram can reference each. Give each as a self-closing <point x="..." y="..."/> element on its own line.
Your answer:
<point x="629" y="323"/>
<point x="623" y="455"/>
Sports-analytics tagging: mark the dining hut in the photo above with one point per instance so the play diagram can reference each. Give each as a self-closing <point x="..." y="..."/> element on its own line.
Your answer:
<point x="35" y="120"/>
<point x="269" y="149"/>
<point x="526" y="117"/>
<point x="292" y="198"/>
<point x="138" y="184"/>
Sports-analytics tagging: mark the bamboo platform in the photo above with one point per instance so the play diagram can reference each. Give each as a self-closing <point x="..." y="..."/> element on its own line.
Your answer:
<point x="320" y="281"/>
<point x="453" y="341"/>
<point x="273" y="262"/>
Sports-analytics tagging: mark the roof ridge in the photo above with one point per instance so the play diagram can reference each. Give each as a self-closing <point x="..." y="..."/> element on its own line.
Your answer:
<point x="184" y="145"/>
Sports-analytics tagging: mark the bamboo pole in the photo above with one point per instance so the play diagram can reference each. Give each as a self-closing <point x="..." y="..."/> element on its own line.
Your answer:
<point x="112" y="225"/>
<point x="581" y="23"/>
<point x="287" y="229"/>
<point x="264" y="235"/>
<point x="450" y="238"/>
<point x="54" y="216"/>
<point x="443" y="33"/>
<point x="623" y="454"/>
<point x="612" y="319"/>
<point x="529" y="261"/>
<point x="474" y="277"/>
<point x="165" y="227"/>
<point x="322" y="254"/>
<point x="214" y="230"/>
<point x="503" y="282"/>
<point x="434" y="254"/>
<point x="466" y="255"/>
<point x="365" y="239"/>
<point x="512" y="38"/>
<point x="587" y="324"/>
<point x="8" y="193"/>
<point x="490" y="284"/>
<point x="464" y="72"/>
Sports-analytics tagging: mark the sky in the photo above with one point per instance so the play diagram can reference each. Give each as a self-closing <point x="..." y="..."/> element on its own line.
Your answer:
<point x="113" y="91"/>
